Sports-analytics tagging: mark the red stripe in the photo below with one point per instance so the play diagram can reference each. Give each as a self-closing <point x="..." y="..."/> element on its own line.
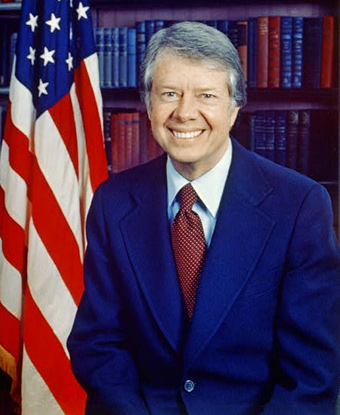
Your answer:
<point x="50" y="360"/>
<point x="63" y="117"/>
<point x="48" y="218"/>
<point x="13" y="238"/>
<point x="10" y="332"/>
<point x="92" y="126"/>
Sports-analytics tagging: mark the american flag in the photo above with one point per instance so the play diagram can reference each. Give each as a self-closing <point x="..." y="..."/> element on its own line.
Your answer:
<point x="52" y="160"/>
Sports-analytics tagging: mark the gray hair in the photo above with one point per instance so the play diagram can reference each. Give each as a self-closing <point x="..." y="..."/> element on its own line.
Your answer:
<point x="199" y="43"/>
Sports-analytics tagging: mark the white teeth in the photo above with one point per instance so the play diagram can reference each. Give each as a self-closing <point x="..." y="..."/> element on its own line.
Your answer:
<point x="192" y="134"/>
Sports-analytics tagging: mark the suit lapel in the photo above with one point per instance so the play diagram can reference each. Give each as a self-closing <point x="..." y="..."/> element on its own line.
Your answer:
<point x="147" y="237"/>
<point x="240" y="235"/>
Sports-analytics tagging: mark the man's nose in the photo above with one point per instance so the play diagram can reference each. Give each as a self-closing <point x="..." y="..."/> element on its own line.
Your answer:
<point x="186" y="109"/>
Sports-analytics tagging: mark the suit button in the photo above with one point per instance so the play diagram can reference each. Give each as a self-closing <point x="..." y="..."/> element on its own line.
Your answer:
<point x="189" y="385"/>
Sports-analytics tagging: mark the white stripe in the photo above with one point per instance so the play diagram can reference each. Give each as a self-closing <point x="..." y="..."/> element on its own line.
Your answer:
<point x="91" y="63"/>
<point x="15" y="201"/>
<point x="57" y="168"/>
<point x="23" y="113"/>
<point x="10" y="286"/>
<point x="48" y="289"/>
<point x="85" y="188"/>
<point x="37" y="398"/>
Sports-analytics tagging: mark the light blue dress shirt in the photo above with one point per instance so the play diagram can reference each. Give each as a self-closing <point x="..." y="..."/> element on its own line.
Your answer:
<point x="209" y="188"/>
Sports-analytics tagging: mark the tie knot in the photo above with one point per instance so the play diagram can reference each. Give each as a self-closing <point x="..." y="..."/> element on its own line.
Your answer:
<point x="188" y="197"/>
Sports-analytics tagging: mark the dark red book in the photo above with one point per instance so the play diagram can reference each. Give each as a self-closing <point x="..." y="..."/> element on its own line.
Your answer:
<point x="114" y="143"/>
<point x="121" y="133"/>
<point x="327" y="56"/>
<point x="135" y="138"/>
<point x="262" y="51"/>
<point x="274" y="47"/>
<point x="128" y="139"/>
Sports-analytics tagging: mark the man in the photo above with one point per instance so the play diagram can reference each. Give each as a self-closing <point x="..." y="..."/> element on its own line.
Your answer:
<point x="211" y="274"/>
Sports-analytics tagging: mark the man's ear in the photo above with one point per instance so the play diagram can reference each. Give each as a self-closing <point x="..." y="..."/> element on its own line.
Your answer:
<point x="233" y="116"/>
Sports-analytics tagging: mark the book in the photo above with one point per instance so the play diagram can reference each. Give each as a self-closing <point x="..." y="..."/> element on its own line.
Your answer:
<point x="140" y="46"/>
<point x="303" y="141"/>
<point x="286" y="68"/>
<point x="312" y="49"/>
<point x="128" y="134"/>
<point x="260" y="133"/>
<point x="114" y="143"/>
<point x="149" y="30"/>
<point x="222" y="26"/>
<point x="297" y="53"/>
<point x="262" y="51"/>
<point x="242" y="45"/>
<point x="252" y="52"/>
<point x="107" y="138"/>
<point x="270" y="135"/>
<point x="274" y="48"/>
<point x="327" y="55"/>
<point x="115" y="56"/>
<point x="233" y="32"/>
<point x="292" y="138"/>
<point x="135" y="138"/>
<point x="107" y="72"/>
<point x="100" y="52"/>
<point x="132" y="58"/>
<point x="123" y="62"/>
<point x="280" y="137"/>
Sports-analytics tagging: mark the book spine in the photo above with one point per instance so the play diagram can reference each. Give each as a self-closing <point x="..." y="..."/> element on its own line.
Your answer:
<point x="303" y="141"/>
<point x="107" y="138"/>
<point x="115" y="56"/>
<point x="242" y="46"/>
<point x="107" y="80"/>
<point x="260" y="133"/>
<point x="252" y="121"/>
<point x="222" y="26"/>
<point x="123" y="56"/>
<point x="100" y="52"/>
<point x="121" y="134"/>
<point x="135" y="138"/>
<point x="252" y="52"/>
<point x="280" y="137"/>
<point x="286" y="52"/>
<point x="159" y="24"/>
<point x="128" y="140"/>
<point x="292" y="138"/>
<point x="312" y="48"/>
<point x="274" y="48"/>
<point x="262" y="51"/>
<point x="132" y="58"/>
<point x="327" y="52"/>
<point x="297" y="52"/>
<point x="114" y="143"/>
<point x="140" y="39"/>
<point x="149" y="30"/>
<point x="233" y="32"/>
<point x="270" y="135"/>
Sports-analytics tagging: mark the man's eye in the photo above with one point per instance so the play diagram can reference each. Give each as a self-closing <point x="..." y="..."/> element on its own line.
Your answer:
<point x="169" y="94"/>
<point x="207" y="95"/>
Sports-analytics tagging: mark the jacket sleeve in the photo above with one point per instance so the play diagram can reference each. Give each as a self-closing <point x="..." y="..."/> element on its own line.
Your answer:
<point x="308" y="319"/>
<point x="100" y="348"/>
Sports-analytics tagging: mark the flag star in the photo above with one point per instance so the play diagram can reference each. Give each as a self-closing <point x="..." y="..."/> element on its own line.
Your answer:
<point x="82" y="11"/>
<point x="53" y="23"/>
<point x="69" y="61"/>
<point x="47" y="56"/>
<point x="42" y="87"/>
<point x="32" y="21"/>
<point x="31" y="55"/>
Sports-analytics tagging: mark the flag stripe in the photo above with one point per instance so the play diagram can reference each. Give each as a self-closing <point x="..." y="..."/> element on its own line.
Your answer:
<point x="92" y="125"/>
<point x="31" y="383"/>
<point x="63" y="117"/>
<point x="10" y="324"/>
<point x="50" y="360"/>
<point x="50" y="295"/>
<point x="13" y="237"/>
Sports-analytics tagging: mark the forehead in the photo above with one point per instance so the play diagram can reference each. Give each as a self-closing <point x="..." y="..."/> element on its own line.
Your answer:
<point x="170" y="67"/>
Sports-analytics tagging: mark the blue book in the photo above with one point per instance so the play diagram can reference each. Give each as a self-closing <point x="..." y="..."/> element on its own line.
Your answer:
<point x="312" y="52"/>
<point x="123" y="66"/>
<point x="233" y="32"/>
<point x="100" y="52"/>
<point x="280" y="137"/>
<point x="304" y="141"/>
<point x="292" y="130"/>
<point x="260" y="133"/>
<point x="107" y="80"/>
<point x="286" y="69"/>
<point x="115" y="56"/>
<point x="149" y="30"/>
<point x="251" y="120"/>
<point x="297" y="52"/>
<point x="252" y="52"/>
<point x="270" y="135"/>
<point x="140" y="35"/>
<point x="132" y="58"/>
<point x="159" y="24"/>
<point x="222" y="26"/>
<point x="211" y="23"/>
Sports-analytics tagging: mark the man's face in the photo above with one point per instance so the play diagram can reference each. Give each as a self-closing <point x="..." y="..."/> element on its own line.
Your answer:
<point x="189" y="113"/>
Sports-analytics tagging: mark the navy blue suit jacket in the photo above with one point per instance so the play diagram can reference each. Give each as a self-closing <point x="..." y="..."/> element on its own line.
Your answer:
<point x="264" y="337"/>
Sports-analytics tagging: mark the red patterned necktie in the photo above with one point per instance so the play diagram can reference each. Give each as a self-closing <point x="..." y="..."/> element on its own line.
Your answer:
<point x="189" y="246"/>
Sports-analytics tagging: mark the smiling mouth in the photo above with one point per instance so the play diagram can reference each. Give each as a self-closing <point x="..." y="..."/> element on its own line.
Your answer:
<point x="189" y="134"/>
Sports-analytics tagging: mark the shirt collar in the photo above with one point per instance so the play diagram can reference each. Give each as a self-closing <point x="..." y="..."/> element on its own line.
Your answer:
<point x="209" y="186"/>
